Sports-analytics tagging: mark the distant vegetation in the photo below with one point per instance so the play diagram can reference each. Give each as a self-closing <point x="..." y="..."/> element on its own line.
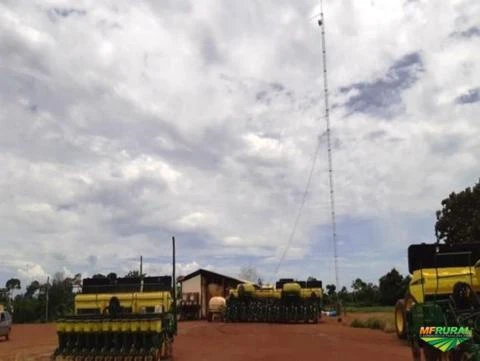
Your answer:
<point x="389" y="289"/>
<point x="459" y="219"/>
<point x="30" y="306"/>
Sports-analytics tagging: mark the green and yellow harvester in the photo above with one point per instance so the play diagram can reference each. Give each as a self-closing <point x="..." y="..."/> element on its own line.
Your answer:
<point x="289" y="301"/>
<point x="443" y="293"/>
<point x="121" y="319"/>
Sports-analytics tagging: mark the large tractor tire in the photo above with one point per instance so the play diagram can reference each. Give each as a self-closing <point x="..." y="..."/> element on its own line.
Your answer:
<point x="401" y="308"/>
<point x="401" y="319"/>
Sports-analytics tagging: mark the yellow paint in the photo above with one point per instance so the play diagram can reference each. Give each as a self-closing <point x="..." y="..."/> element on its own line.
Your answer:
<point x="425" y="281"/>
<point x="106" y="325"/>
<point x="307" y="292"/>
<point x="248" y="288"/>
<point x="268" y="293"/>
<point x="292" y="287"/>
<point x="138" y="302"/>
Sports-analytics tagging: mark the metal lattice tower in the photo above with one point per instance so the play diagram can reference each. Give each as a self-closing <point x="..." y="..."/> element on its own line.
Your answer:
<point x="321" y="23"/>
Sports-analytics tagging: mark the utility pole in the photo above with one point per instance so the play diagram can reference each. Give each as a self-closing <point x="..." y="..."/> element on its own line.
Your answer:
<point x="321" y="23"/>
<point x="174" y="281"/>
<point x="46" y="299"/>
<point x="141" y="273"/>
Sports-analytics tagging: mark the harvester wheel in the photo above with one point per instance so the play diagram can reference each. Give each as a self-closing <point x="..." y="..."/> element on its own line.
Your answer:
<point x="401" y="319"/>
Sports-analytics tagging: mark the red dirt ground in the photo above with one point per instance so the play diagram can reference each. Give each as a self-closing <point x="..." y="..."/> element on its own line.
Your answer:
<point x="198" y="341"/>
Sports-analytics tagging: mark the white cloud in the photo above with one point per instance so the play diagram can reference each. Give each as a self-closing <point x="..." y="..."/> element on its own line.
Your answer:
<point x="124" y="124"/>
<point x="32" y="272"/>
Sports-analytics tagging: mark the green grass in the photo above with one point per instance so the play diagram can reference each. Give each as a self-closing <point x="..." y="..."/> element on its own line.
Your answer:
<point x="357" y="324"/>
<point x="376" y="318"/>
<point x="371" y="309"/>
<point x="371" y="323"/>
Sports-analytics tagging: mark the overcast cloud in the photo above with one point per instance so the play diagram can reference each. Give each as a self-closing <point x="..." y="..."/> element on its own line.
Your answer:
<point x="126" y="122"/>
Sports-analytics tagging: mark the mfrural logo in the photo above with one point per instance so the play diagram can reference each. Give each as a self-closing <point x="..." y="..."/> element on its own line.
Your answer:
<point x="445" y="338"/>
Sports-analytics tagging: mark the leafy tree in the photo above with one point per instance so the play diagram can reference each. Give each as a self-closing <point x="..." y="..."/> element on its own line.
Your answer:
<point x="134" y="274"/>
<point x="365" y="294"/>
<point x="77" y="282"/>
<point x="343" y="295"/>
<point x="26" y="309"/>
<point x="358" y="285"/>
<point x="3" y="295"/>
<point x="330" y="289"/>
<point x="77" y="279"/>
<point x="459" y="219"/>
<point x="13" y="284"/>
<point x="392" y="287"/>
<point x="98" y="275"/>
<point x="60" y="297"/>
<point x="31" y="289"/>
<point x="31" y="305"/>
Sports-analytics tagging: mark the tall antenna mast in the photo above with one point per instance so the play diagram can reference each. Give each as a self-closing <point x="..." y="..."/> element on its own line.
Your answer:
<point x="321" y="23"/>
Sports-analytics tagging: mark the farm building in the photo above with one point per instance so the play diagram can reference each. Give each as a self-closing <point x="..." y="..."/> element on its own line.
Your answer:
<point x="201" y="285"/>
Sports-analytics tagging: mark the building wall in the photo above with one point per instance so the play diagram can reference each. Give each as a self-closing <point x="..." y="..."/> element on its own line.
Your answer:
<point x="204" y="298"/>
<point x="200" y="284"/>
<point x="192" y="285"/>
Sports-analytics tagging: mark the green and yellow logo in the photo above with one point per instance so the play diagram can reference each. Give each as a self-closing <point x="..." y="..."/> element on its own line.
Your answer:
<point x="445" y="338"/>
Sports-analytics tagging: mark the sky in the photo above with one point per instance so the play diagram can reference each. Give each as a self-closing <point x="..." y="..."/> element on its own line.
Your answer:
<point x="125" y="123"/>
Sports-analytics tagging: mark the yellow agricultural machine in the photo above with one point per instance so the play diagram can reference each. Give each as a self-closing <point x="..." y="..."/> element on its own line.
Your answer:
<point x="188" y="306"/>
<point x="443" y="295"/>
<point x="290" y="301"/>
<point x="122" y="319"/>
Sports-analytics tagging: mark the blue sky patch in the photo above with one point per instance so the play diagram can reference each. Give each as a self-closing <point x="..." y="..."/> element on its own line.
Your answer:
<point x="379" y="97"/>
<point x="469" y="33"/>
<point x="472" y="96"/>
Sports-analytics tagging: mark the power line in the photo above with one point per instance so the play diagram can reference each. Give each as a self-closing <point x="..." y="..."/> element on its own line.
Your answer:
<point x="300" y="209"/>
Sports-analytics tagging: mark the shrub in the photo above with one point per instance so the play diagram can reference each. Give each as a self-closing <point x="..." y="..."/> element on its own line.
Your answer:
<point x="371" y="323"/>
<point x="357" y="324"/>
<point x="375" y="324"/>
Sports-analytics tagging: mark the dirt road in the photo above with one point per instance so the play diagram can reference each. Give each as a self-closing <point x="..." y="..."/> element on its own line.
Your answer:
<point x="198" y="341"/>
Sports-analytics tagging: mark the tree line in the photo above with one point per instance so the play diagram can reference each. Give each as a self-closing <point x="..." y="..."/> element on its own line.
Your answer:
<point x="43" y="302"/>
<point x="457" y="222"/>
<point x="391" y="287"/>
